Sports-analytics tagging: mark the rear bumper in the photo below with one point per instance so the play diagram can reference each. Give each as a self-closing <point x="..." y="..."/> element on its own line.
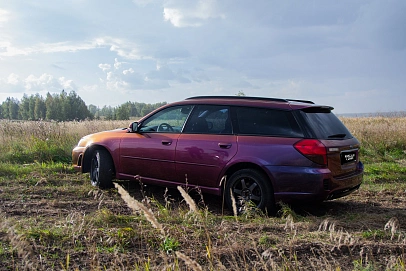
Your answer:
<point x="292" y="184"/>
<point x="344" y="185"/>
<point x="341" y="193"/>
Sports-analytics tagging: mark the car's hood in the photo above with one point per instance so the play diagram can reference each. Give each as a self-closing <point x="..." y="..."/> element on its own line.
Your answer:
<point x="101" y="136"/>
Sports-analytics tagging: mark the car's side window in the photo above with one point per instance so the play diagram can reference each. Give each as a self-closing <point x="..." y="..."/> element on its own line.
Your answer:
<point x="209" y="119"/>
<point x="264" y="121"/>
<point x="168" y="120"/>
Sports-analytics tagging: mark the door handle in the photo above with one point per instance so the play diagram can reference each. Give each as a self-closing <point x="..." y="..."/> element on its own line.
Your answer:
<point x="166" y="142"/>
<point x="225" y="145"/>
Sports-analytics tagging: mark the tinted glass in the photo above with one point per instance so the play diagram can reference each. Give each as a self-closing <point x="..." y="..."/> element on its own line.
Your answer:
<point x="264" y="121"/>
<point x="326" y="125"/>
<point x="209" y="119"/>
<point x="168" y="120"/>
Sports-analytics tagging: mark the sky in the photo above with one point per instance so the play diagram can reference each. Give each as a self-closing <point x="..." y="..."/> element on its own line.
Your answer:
<point x="349" y="54"/>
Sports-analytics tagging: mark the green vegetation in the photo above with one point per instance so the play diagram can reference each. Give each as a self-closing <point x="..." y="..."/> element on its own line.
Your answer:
<point x="69" y="107"/>
<point x="52" y="218"/>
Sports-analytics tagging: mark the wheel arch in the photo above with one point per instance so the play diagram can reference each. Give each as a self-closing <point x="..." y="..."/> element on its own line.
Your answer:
<point x="269" y="204"/>
<point x="87" y="156"/>
<point x="246" y="165"/>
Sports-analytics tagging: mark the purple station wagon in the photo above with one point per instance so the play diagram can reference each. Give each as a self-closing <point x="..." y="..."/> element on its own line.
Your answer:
<point x="257" y="150"/>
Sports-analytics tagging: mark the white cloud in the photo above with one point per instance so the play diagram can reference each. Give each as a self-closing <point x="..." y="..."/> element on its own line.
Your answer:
<point x="117" y="64"/>
<point x="34" y="84"/>
<point x="182" y="14"/>
<point x="4" y="16"/>
<point x="10" y="50"/>
<point x="67" y="84"/>
<point x="13" y="79"/>
<point x="130" y="70"/>
<point x="122" y="47"/>
<point x="128" y="80"/>
<point x="105" y="67"/>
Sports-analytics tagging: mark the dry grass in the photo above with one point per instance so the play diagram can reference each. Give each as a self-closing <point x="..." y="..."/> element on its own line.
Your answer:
<point x="43" y="141"/>
<point x="379" y="136"/>
<point x="10" y="131"/>
<point x="378" y="129"/>
<point x="63" y="222"/>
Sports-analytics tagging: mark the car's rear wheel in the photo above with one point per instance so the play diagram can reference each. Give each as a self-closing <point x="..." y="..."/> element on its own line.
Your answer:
<point x="101" y="169"/>
<point x="249" y="187"/>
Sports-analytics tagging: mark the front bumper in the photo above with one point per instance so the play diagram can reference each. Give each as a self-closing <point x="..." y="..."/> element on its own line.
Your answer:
<point x="77" y="158"/>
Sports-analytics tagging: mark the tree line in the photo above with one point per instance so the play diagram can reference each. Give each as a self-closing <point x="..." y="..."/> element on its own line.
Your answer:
<point x="68" y="107"/>
<point x="123" y="112"/>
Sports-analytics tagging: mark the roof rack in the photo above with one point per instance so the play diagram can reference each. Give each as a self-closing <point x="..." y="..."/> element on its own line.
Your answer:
<point x="249" y="98"/>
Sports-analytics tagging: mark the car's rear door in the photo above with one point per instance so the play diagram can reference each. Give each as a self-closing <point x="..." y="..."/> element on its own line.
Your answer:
<point x="205" y="146"/>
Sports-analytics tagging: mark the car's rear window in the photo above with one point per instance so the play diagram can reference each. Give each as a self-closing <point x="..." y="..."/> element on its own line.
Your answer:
<point x="265" y="121"/>
<point x="324" y="124"/>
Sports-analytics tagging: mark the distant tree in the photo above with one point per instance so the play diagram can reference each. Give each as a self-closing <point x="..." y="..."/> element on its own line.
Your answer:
<point x="53" y="111"/>
<point x="240" y="93"/>
<point x="139" y="107"/>
<point x="123" y="112"/>
<point x="76" y="108"/>
<point x="65" y="106"/>
<point x="92" y="109"/>
<point x="31" y="108"/>
<point x="132" y="108"/>
<point x="24" y="108"/>
<point x="3" y="110"/>
<point x="13" y="107"/>
<point x="39" y="108"/>
<point x="10" y="108"/>
<point x="107" y="112"/>
<point x="148" y="108"/>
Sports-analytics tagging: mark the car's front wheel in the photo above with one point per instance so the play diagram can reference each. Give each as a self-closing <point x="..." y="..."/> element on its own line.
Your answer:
<point x="249" y="187"/>
<point x="101" y="169"/>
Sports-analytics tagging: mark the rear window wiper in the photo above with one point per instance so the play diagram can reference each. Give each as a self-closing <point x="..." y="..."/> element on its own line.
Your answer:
<point x="337" y="136"/>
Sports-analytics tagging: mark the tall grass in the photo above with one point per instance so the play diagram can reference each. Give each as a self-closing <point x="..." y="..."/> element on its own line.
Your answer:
<point x="382" y="138"/>
<point x="44" y="141"/>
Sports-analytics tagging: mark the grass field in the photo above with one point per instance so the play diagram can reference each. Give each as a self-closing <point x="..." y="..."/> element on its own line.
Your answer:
<point x="51" y="218"/>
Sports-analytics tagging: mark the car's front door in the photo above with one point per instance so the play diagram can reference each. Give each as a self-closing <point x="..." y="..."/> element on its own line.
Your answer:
<point x="205" y="146"/>
<point x="150" y="152"/>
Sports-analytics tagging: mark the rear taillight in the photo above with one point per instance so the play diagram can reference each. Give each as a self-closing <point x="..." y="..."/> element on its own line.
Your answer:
<point x="313" y="149"/>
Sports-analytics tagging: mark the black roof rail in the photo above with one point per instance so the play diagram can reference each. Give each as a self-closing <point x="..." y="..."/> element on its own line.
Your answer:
<point x="250" y="98"/>
<point x="300" y="101"/>
<point x="238" y="98"/>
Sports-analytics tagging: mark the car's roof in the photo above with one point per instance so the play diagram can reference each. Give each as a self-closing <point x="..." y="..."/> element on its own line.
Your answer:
<point x="287" y="104"/>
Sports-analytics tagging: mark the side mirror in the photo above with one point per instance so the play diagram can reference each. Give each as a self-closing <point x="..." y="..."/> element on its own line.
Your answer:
<point x="133" y="127"/>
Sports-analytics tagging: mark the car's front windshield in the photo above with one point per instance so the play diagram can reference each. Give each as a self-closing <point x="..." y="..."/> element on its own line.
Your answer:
<point x="168" y="120"/>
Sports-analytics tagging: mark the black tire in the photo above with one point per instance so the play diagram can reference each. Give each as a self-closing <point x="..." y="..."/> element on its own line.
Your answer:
<point x="101" y="169"/>
<point x="249" y="185"/>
